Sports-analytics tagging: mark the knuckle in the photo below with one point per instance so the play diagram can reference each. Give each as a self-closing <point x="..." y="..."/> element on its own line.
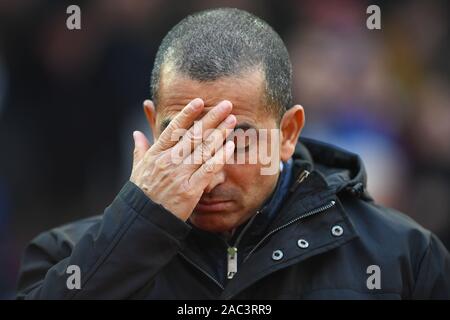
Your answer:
<point x="162" y="163"/>
<point x="177" y="134"/>
<point x="187" y="190"/>
<point x="187" y="110"/>
<point x="206" y="148"/>
<point x="193" y="136"/>
<point x="163" y="142"/>
<point x="135" y="153"/>
<point x="214" y="116"/>
<point x="175" y="123"/>
<point x="208" y="167"/>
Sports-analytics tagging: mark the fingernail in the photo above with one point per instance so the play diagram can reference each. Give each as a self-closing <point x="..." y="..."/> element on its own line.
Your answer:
<point x="225" y="105"/>
<point x="230" y="119"/>
<point x="196" y="104"/>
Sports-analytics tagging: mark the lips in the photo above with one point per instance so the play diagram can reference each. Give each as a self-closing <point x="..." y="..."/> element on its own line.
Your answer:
<point x="212" y="205"/>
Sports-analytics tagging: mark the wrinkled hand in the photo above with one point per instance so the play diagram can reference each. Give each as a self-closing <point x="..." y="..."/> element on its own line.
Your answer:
<point x="178" y="185"/>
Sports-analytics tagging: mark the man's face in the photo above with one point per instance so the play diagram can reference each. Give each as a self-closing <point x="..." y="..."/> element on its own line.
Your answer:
<point x="238" y="190"/>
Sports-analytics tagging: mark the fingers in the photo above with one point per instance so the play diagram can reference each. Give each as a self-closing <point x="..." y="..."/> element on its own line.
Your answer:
<point x="141" y="145"/>
<point x="183" y="120"/>
<point x="197" y="134"/>
<point x="214" y="142"/>
<point x="202" y="176"/>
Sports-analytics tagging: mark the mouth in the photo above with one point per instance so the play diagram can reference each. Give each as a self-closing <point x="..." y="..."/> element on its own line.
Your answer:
<point x="205" y="206"/>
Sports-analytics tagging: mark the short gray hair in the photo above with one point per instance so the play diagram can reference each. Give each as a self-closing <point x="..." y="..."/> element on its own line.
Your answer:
<point x="223" y="42"/>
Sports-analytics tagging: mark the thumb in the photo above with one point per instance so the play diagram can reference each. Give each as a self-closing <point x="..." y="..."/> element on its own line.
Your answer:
<point x="141" y="145"/>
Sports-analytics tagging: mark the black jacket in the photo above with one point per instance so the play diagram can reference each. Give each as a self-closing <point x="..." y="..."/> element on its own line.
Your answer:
<point x="328" y="241"/>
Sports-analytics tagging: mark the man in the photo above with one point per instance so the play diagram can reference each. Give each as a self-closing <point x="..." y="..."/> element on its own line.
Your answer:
<point x="220" y="228"/>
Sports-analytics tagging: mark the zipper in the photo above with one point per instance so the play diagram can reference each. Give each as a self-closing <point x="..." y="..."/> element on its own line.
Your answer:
<point x="232" y="250"/>
<point x="202" y="271"/>
<point x="307" y="214"/>
<point x="231" y="262"/>
<point x="231" y="257"/>
<point x="301" y="177"/>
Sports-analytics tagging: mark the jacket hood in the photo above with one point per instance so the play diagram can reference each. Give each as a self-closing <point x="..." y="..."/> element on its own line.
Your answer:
<point x="342" y="170"/>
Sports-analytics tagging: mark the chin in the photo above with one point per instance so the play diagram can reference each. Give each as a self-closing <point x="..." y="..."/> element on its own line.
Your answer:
<point x="212" y="222"/>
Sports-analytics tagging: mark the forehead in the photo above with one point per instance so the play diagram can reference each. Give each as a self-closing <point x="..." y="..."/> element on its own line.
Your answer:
<point x="245" y="91"/>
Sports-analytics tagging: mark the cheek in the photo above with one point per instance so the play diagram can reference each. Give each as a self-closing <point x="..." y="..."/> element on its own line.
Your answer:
<point x="249" y="180"/>
<point x="243" y="175"/>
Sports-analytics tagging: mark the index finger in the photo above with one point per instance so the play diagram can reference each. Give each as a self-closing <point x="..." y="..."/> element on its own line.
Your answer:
<point x="182" y="120"/>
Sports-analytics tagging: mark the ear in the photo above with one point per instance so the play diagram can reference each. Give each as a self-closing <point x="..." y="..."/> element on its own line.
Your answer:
<point x="291" y="125"/>
<point x="150" y="113"/>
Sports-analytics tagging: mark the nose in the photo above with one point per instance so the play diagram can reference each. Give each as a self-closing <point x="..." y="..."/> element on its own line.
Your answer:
<point x="218" y="178"/>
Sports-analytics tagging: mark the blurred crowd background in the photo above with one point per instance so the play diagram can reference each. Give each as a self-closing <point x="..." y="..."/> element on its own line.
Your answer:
<point x="69" y="101"/>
